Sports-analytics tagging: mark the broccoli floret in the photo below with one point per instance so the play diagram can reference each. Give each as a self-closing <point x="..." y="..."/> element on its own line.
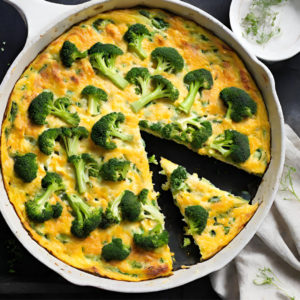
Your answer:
<point x="152" y="160"/>
<point x="139" y="77"/>
<point x="40" y="210"/>
<point x="149" y="209"/>
<point x="42" y="105"/>
<point x="107" y="128"/>
<point x="94" y="96"/>
<point x="188" y="130"/>
<point x="130" y="207"/>
<point x="144" y="124"/>
<point x="71" y="138"/>
<point x="157" y="22"/>
<point x="232" y="144"/>
<point x="46" y="140"/>
<point x="134" y="36"/>
<point x="168" y="60"/>
<point x="164" y="89"/>
<point x="26" y="167"/>
<point x="196" y="218"/>
<point x="153" y="239"/>
<point x="178" y="177"/>
<point x="85" y="166"/>
<point x="13" y="111"/>
<point x="114" y="169"/>
<point x="87" y="218"/>
<point x="100" y="24"/>
<point x="115" y="250"/>
<point x="112" y="214"/>
<point x="103" y="58"/>
<point x="197" y="79"/>
<point x="240" y="104"/>
<point x="157" y="127"/>
<point x="69" y="53"/>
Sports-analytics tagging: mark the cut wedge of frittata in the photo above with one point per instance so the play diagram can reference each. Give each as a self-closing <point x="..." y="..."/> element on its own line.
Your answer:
<point x="214" y="217"/>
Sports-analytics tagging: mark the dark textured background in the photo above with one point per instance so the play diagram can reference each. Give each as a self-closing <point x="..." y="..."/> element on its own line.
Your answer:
<point x="32" y="280"/>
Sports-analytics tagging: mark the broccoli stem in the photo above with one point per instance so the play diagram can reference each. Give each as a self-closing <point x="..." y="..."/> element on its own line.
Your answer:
<point x="161" y="66"/>
<point x="110" y="72"/>
<point x="80" y="208"/>
<point x="64" y="115"/>
<point x="229" y="111"/>
<point x="115" y="206"/>
<point x="144" y="100"/>
<point x="40" y="201"/>
<point x="144" y="85"/>
<point x="122" y="136"/>
<point x="81" y="176"/>
<point x="93" y="106"/>
<point x="188" y="102"/>
<point x="71" y="145"/>
<point x="221" y="147"/>
<point x="138" y="48"/>
<point x="154" y="213"/>
<point x="78" y="54"/>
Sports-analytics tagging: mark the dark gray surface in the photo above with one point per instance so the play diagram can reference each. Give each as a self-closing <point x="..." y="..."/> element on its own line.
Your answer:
<point x="33" y="280"/>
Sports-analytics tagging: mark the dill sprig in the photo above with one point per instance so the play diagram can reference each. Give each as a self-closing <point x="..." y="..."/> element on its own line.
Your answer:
<point x="287" y="182"/>
<point x="259" y="23"/>
<point x="264" y="278"/>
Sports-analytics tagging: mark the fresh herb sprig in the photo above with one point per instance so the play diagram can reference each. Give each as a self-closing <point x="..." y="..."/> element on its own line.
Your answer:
<point x="260" y="22"/>
<point x="267" y="276"/>
<point x="287" y="182"/>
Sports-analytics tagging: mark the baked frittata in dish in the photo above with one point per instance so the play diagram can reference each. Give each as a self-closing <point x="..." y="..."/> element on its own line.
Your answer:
<point x="73" y="161"/>
<point x="214" y="217"/>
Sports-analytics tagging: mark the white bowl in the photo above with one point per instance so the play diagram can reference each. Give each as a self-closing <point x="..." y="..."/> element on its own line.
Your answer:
<point x="281" y="47"/>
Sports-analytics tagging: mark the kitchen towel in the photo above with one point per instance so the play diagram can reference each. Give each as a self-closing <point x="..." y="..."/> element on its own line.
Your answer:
<point x="276" y="245"/>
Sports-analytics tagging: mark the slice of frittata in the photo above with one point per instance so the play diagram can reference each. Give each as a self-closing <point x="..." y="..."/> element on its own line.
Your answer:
<point x="214" y="217"/>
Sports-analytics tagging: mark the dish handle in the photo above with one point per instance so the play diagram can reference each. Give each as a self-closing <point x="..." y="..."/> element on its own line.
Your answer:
<point x="37" y="14"/>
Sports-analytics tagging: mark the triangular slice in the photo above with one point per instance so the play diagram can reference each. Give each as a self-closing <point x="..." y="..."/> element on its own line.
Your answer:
<point x="220" y="217"/>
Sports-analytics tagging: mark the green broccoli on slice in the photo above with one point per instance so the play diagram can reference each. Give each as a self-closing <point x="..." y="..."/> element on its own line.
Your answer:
<point x="168" y="60"/>
<point x="140" y="77"/>
<point x="134" y="36"/>
<point x="87" y="217"/>
<point x="85" y="165"/>
<point x="69" y="53"/>
<point x="130" y="207"/>
<point x="115" y="250"/>
<point x="40" y="210"/>
<point x="100" y="24"/>
<point x="232" y="144"/>
<point x="103" y="58"/>
<point x="197" y="79"/>
<point x="112" y="214"/>
<point x="94" y="96"/>
<point x="164" y="89"/>
<point x="240" y="104"/>
<point x="42" y="105"/>
<point x="26" y="167"/>
<point x="178" y="177"/>
<point x="188" y="130"/>
<point x="156" y="21"/>
<point x="153" y="239"/>
<point x="196" y="218"/>
<point x="107" y="128"/>
<point x="47" y="138"/>
<point x="114" y="169"/>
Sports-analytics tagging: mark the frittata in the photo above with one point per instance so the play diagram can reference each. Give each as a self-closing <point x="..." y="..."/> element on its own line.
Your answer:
<point x="112" y="75"/>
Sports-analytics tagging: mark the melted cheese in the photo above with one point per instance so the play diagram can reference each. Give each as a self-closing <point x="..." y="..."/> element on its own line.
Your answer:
<point x="227" y="214"/>
<point x="46" y="72"/>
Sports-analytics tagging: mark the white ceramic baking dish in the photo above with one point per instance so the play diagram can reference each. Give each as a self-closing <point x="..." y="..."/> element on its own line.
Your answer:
<point x="46" y="21"/>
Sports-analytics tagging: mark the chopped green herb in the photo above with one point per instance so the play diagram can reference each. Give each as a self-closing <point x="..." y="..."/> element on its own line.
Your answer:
<point x="13" y="112"/>
<point x="212" y="233"/>
<point x="214" y="199"/>
<point x="136" y="265"/>
<point x="152" y="160"/>
<point x="259" y="23"/>
<point x="63" y="238"/>
<point x="226" y="229"/>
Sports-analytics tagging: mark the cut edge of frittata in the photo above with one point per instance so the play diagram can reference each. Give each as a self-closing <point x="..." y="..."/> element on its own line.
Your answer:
<point x="226" y="214"/>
